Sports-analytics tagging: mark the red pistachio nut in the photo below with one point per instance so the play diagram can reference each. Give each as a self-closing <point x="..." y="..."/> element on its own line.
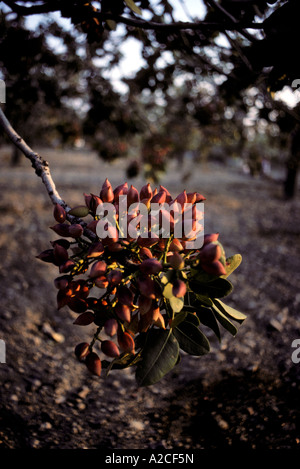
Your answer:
<point x="124" y="295"/>
<point x="151" y="266"/>
<point x="122" y="189"/>
<point x="114" y="277"/>
<point x="132" y="196"/>
<point x="214" y="268"/>
<point x="96" y="250"/>
<point x="78" y="305"/>
<point x="159" y="198"/>
<point x="82" y="350"/>
<point x="98" y="269"/>
<point x="210" y="238"/>
<point x="62" y="229"/>
<point x="85" y="319"/>
<point x="146" y="286"/>
<point x="59" y="213"/>
<point x="126" y="342"/>
<point x="61" y="283"/>
<point x="176" y="260"/>
<point x="146" y="192"/>
<point x="176" y="245"/>
<point x="67" y="266"/>
<point x="123" y="312"/>
<point x="168" y="195"/>
<point x="107" y="194"/>
<point x="92" y="226"/>
<point x="75" y="231"/>
<point x="179" y="288"/>
<point x="145" y="253"/>
<point x="93" y="363"/>
<point x="109" y="348"/>
<point x="210" y="253"/>
<point x="101" y="281"/>
<point x="60" y="254"/>
<point x="144" y="304"/>
<point x="111" y="327"/>
<point x="47" y="256"/>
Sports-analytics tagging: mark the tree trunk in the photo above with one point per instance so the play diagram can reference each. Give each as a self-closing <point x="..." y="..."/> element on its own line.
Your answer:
<point x="290" y="184"/>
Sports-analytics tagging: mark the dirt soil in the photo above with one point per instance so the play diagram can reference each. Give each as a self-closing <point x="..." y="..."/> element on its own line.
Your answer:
<point x="244" y="394"/>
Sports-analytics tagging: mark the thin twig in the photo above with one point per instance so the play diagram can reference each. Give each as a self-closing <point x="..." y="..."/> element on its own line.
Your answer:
<point x="139" y="23"/>
<point x="42" y="170"/>
<point x="231" y="18"/>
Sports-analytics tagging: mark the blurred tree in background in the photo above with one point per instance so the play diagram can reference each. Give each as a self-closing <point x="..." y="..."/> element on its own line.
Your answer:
<point x="206" y="86"/>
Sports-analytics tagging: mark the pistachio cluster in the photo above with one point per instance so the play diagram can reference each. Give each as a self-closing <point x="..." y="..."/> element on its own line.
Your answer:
<point x="147" y="296"/>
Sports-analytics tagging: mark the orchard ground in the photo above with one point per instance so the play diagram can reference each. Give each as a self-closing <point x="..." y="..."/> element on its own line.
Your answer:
<point x="244" y="394"/>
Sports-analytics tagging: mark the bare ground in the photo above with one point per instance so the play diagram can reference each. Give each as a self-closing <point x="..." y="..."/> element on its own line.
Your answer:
<point x="243" y="395"/>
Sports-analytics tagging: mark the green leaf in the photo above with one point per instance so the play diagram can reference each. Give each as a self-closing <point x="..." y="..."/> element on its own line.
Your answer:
<point x="111" y="24"/>
<point x="202" y="276"/>
<point x="224" y="321"/>
<point x="133" y="6"/>
<point x="176" y="304"/>
<point x="167" y="291"/>
<point x="233" y="313"/>
<point x="204" y="299"/>
<point x="191" y="339"/>
<point x="192" y="318"/>
<point x="179" y="317"/>
<point x="217" y="289"/>
<point x="123" y="361"/>
<point x="159" y="356"/>
<point x="207" y="318"/>
<point x="232" y="263"/>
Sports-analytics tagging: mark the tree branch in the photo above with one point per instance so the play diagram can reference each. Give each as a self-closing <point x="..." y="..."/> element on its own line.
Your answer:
<point x="42" y="170"/>
<point x="180" y="25"/>
<point x="231" y="25"/>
